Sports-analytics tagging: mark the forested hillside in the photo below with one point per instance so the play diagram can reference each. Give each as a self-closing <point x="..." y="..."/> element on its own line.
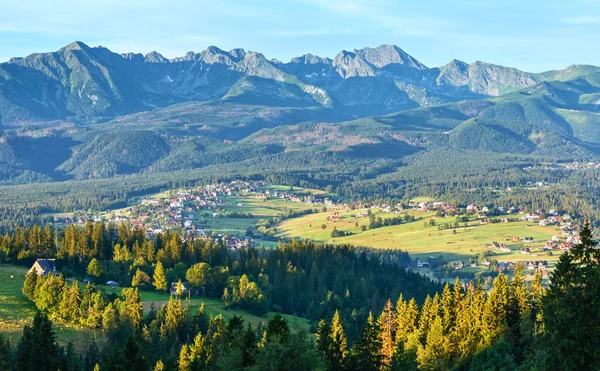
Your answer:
<point x="358" y="301"/>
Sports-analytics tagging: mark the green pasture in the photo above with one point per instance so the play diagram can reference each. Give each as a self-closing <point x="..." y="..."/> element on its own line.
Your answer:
<point x="423" y="241"/>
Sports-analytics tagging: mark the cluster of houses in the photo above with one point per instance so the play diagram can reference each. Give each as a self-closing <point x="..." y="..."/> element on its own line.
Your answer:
<point x="188" y="211"/>
<point x="541" y="265"/>
<point x="576" y="165"/>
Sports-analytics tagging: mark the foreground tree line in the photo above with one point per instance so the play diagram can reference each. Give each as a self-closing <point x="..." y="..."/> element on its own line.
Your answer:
<point x="517" y="325"/>
<point x="300" y="277"/>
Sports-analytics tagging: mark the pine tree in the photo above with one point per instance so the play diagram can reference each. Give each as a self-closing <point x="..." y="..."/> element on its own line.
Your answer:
<point x="134" y="359"/>
<point x="387" y="326"/>
<point x="323" y="336"/>
<point x="159" y="279"/>
<point x="185" y="359"/>
<point x="29" y="285"/>
<point x="37" y="349"/>
<point x="5" y="353"/>
<point x="494" y="313"/>
<point x="517" y="307"/>
<point x="198" y="353"/>
<point x="248" y="347"/>
<point x="433" y="356"/>
<point x="406" y="318"/>
<point x="130" y="308"/>
<point x="466" y="333"/>
<point x="174" y="319"/>
<point x="338" y="349"/>
<point x="109" y="317"/>
<point x="179" y="290"/>
<point x="160" y="366"/>
<point x="94" y="269"/>
<point x="405" y="354"/>
<point x="70" y="302"/>
<point x="366" y="353"/>
<point x="140" y="278"/>
<point x="571" y="309"/>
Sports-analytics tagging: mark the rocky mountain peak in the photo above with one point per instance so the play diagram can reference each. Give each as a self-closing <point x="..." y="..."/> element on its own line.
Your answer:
<point x="311" y="59"/>
<point x="385" y="55"/>
<point x="76" y="45"/>
<point x="155" y="57"/>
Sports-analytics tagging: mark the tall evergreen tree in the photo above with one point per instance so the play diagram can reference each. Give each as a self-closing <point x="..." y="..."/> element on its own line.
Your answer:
<point x="29" y="285"/>
<point x="5" y="353"/>
<point x="366" y="352"/>
<point x="159" y="278"/>
<point x="95" y="269"/>
<point x="571" y="309"/>
<point x="494" y="314"/>
<point x="37" y="349"/>
<point x="338" y="349"/>
<point x="387" y="331"/>
<point x="159" y="366"/>
<point x="323" y="336"/>
<point x="433" y="355"/>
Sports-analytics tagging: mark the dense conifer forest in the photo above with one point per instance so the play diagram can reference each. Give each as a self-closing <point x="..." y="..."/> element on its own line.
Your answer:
<point x="369" y="313"/>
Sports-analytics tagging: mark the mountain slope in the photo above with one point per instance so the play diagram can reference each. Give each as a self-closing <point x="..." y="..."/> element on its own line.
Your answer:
<point x="89" y="84"/>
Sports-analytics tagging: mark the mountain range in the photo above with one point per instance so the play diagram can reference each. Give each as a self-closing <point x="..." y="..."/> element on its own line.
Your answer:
<point x="88" y="84"/>
<point x="86" y="112"/>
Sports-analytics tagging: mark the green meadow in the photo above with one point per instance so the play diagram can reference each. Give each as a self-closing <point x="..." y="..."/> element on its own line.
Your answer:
<point x="419" y="240"/>
<point x="16" y="310"/>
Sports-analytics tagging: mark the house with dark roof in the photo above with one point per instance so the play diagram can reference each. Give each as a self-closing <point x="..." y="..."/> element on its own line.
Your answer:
<point x="43" y="267"/>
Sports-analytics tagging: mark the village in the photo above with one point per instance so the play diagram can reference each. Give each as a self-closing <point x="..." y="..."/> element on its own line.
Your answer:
<point x="229" y="212"/>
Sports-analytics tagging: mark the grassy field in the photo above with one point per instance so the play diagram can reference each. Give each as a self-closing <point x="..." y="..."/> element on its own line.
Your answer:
<point x="16" y="310"/>
<point x="421" y="241"/>
<point x="260" y="209"/>
<point x="216" y="307"/>
<point x="284" y="188"/>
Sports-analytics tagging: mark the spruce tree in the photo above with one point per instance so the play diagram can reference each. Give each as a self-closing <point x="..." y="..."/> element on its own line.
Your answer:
<point x="159" y="278"/>
<point x="159" y="366"/>
<point x="5" y="353"/>
<point x="94" y="269"/>
<point x="323" y="336"/>
<point x="135" y="359"/>
<point x="338" y="349"/>
<point x="198" y="353"/>
<point x="37" y="348"/>
<point x="433" y="355"/>
<point x="494" y="314"/>
<point x="571" y="309"/>
<point x="29" y="285"/>
<point x="366" y="352"/>
<point x="248" y="347"/>
<point x="185" y="359"/>
<point x="387" y="326"/>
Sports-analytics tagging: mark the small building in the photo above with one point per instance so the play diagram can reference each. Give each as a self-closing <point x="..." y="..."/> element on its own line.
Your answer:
<point x="112" y="284"/>
<point x="174" y="288"/>
<point x="43" y="267"/>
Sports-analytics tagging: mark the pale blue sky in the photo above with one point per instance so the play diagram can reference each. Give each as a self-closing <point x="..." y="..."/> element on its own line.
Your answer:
<point x="529" y="34"/>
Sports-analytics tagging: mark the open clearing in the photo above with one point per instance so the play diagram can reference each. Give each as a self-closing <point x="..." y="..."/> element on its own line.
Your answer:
<point x="423" y="241"/>
<point x="16" y="310"/>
